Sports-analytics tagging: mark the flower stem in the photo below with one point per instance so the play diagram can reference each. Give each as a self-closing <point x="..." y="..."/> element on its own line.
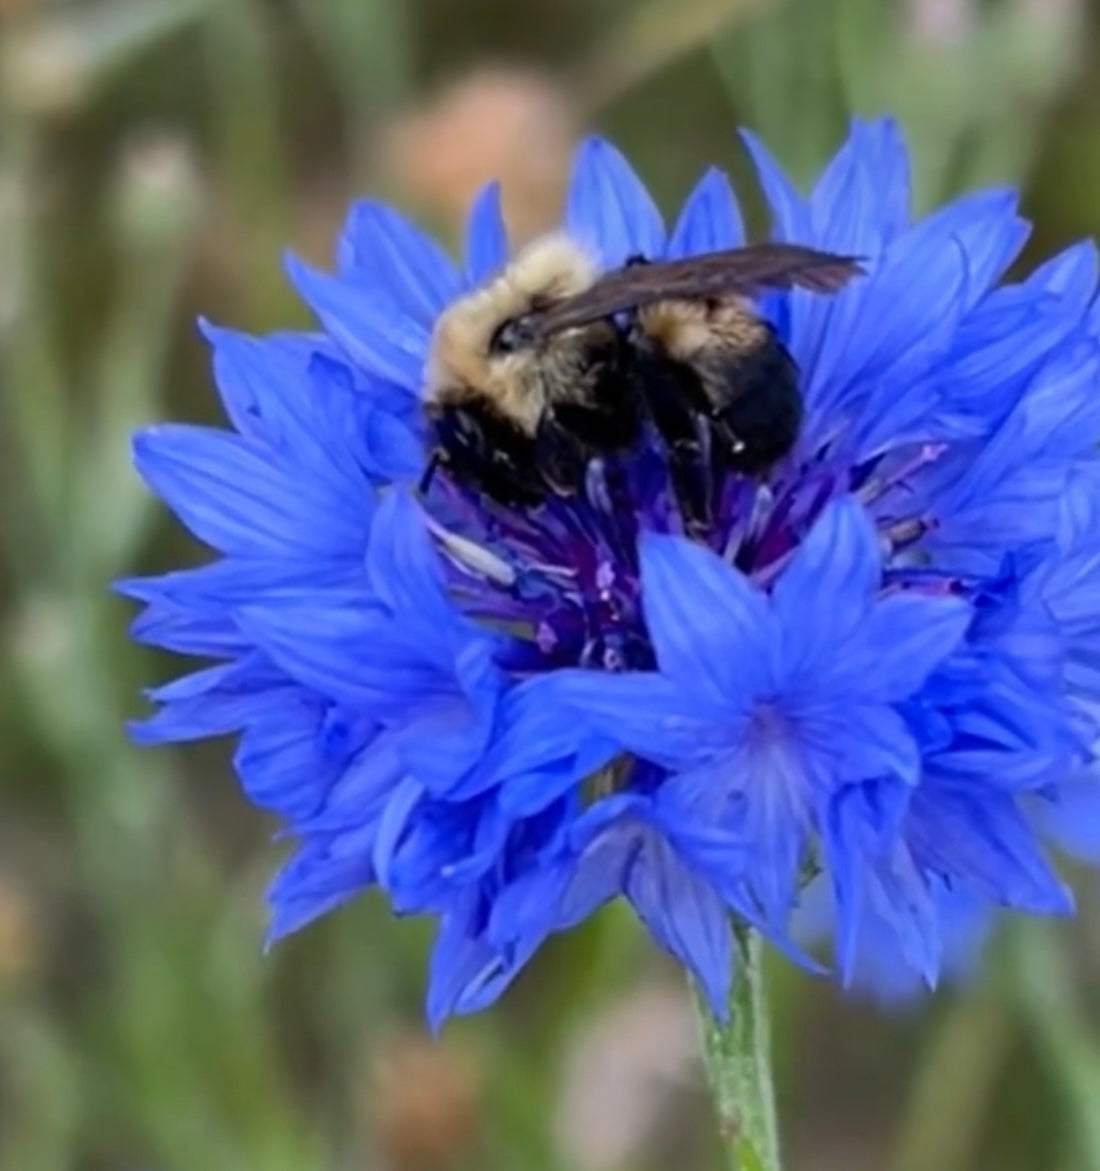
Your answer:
<point x="737" y="1056"/>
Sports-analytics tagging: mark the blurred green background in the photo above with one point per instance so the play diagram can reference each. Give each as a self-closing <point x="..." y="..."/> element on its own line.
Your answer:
<point x="156" y="156"/>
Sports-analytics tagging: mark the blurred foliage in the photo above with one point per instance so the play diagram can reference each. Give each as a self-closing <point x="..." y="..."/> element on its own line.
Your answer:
<point x="156" y="156"/>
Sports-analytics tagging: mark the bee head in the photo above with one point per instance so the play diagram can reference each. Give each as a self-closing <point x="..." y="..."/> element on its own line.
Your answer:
<point x="517" y="333"/>
<point x="485" y="343"/>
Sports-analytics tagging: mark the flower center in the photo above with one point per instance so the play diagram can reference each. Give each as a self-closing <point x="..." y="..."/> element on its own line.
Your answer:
<point x="563" y="576"/>
<point x="615" y="636"/>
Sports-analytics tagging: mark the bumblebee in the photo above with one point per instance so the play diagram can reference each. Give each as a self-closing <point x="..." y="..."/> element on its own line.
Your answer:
<point x="551" y="364"/>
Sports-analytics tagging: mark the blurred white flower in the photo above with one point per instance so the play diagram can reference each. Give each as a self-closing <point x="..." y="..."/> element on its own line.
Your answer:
<point x="621" y="1075"/>
<point x="510" y="124"/>
<point x="939" y="22"/>
<point x="158" y="191"/>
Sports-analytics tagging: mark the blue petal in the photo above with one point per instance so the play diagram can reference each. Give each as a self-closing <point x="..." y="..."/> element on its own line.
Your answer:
<point x="557" y="894"/>
<point x="465" y="973"/>
<point x="1080" y="505"/>
<point x="486" y="236"/>
<point x="685" y="916"/>
<point x="1070" y="816"/>
<point x="790" y="211"/>
<point x="211" y="679"/>
<point x="711" y="628"/>
<point x="361" y="791"/>
<point x="308" y="408"/>
<point x="392" y="450"/>
<point x="900" y="895"/>
<point x="402" y="563"/>
<point x="608" y="209"/>
<point x="824" y="594"/>
<point x="988" y="229"/>
<point x="279" y="762"/>
<point x="861" y="201"/>
<point x="189" y="633"/>
<point x="986" y="842"/>
<point x="383" y="250"/>
<point x="536" y="731"/>
<point x="393" y="821"/>
<point x="528" y="793"/>
<point x="761" y="792"/>
<point x="710" y="220"/>
<point x="860" y="827"/>
<point x="540" y="750"/>
<point x="234" y="495"/>
<point x="840" y="838"/>
<point x="441" y="742"/>
<point x="343" y="648"/>
<point x="998" y="348"/>
<point x="1072" y="274"/>
<point x="255" y="376"/>
<point x="855" y="742"/>
<point x="899" y="644"/>
<point x="584" y="871"/>
<point x="886" y="157"/>
<point x="368" y="327"/>
<point x="212" y="703"/>
<point x="322" y="876"/>
<point x="362" y="432"/>
<point x="920" y="287"/>
<point x="647" y="714"/>
<point x="234" y="580"/>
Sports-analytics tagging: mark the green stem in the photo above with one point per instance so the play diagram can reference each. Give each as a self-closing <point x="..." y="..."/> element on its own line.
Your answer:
<point x="737" y="1056"/>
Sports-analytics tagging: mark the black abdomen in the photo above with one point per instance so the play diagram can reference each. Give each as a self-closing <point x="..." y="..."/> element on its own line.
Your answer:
<point x="725" y="411"/>
<point x="749" y="400"/>
<point x="755" y="404"/>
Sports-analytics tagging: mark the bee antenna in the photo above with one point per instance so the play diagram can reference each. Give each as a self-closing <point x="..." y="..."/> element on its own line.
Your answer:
<point x="429" y="471"/>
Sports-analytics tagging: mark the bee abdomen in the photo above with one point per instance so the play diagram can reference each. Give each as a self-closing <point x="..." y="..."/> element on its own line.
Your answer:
<point x="755" y="404"/>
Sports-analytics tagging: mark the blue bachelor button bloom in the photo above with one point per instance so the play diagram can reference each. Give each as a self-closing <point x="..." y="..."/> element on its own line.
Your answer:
<point x="870" y="687"/>
<point x="806" y="686"/>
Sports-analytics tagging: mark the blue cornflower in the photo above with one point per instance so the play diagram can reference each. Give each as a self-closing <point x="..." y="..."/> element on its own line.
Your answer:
<point x="873" y="682"/>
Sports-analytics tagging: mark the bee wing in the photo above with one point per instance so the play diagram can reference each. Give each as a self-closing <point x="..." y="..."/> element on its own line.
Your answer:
<point x="736" y="271"/>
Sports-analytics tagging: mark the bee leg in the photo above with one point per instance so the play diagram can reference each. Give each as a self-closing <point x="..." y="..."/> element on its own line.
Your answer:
<point x="498" y="458"/>
<point x="688" y="475"/>
<point x="437" y="458"/>
<point x="610" y="426"/>
<point x="685" y="432"/>
<point x="561" y="458"/>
